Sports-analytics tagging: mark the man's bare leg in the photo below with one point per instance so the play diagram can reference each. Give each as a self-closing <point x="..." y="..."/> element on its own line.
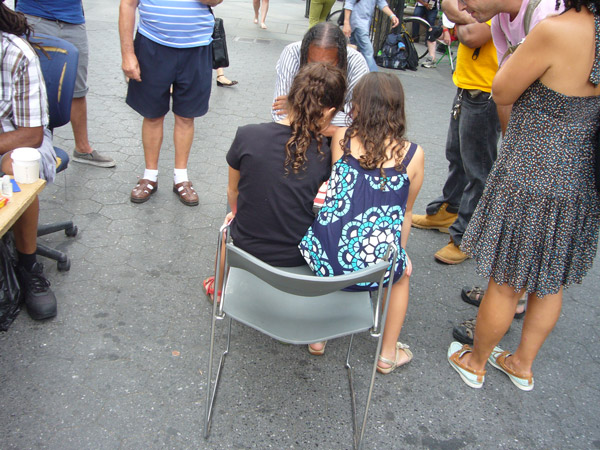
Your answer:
<point x="183" y="136"/>
<point x="83" y="152"/>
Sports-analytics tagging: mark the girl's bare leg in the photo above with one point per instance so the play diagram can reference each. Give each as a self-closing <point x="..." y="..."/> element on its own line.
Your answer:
<point x="394" y="321"/>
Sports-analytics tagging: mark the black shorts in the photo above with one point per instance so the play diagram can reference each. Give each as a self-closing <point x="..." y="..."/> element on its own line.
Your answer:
<point x="188" y="70"/>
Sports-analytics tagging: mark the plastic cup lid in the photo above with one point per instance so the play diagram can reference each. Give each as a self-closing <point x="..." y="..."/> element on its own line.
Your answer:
<point x="26" y="154"/>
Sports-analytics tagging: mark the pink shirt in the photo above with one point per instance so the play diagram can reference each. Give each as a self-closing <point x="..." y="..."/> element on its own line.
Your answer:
<point x="503" y="28"/>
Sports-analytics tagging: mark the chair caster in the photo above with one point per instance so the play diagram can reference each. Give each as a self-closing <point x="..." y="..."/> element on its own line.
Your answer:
<point x="64" y="266"/>
<point x="71" y="232"/>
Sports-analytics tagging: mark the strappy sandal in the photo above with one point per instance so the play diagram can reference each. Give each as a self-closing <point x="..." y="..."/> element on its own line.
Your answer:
<point x="209" y="288"/>
<point x="394" y="364"/>
<point x="315" y="352"/>
<point x="474" y="295"/>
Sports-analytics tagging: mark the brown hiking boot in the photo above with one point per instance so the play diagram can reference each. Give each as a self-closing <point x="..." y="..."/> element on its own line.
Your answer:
<point x="440" y="221"/>
<point x="450" y="254"/>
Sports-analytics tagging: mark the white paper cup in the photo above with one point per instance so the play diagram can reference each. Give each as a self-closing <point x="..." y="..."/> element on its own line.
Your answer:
<point x="26" y="165"/>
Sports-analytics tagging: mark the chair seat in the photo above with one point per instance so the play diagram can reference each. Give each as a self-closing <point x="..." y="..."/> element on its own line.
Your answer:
<point x="287" y="318"/>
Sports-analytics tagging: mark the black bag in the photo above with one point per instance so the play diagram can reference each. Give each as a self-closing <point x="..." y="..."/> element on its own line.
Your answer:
<point x="10" y="292"/>
<point x="393" y="54"/>
<point x="412" y="57"/>
<point x="219" y="45"/>
<point x="398" y="52"/>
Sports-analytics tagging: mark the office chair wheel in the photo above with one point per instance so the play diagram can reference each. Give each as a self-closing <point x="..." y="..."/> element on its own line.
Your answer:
<point x="71" y="232"/>
<point x="64" y="266"/>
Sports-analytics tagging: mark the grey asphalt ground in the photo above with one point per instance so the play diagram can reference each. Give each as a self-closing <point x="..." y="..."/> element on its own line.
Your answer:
<point x="122" y="365"/>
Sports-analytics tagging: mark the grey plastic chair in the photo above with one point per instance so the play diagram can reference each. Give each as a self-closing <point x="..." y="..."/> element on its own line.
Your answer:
<point x="293" y="305"/>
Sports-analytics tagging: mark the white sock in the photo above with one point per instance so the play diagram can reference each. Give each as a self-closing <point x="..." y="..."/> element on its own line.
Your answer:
<point x="150" y="174"/>
<point x="180" y="175"/>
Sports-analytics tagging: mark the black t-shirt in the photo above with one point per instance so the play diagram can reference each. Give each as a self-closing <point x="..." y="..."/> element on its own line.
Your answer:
<point x="274" y="210"/>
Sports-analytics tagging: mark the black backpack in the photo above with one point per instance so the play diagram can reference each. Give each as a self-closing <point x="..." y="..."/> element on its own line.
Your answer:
<point x="398" y="52"/>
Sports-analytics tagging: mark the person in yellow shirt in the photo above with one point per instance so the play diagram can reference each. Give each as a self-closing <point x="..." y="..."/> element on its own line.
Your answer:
<point x="472" y="135"/>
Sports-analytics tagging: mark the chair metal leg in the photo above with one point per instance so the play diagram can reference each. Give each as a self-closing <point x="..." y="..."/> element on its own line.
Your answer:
<point x="211" y="390"/>
<point x="360" y="432"/>
<point x="352" y="395"/>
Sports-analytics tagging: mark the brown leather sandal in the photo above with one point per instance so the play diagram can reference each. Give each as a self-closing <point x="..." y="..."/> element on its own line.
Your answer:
<point x="143" y="190"/>
<point x="186" y="193"/>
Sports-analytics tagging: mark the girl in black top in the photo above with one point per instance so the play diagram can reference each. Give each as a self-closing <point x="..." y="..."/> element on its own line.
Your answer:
<point x="275" y="170"/>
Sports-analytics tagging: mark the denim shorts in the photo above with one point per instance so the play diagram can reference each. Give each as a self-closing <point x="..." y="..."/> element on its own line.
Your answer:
<point x="188" y="70"/>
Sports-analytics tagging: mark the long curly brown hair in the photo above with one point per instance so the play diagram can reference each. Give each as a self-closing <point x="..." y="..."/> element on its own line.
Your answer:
<point x="378" y="121"/>
<point x="316" y="87"/>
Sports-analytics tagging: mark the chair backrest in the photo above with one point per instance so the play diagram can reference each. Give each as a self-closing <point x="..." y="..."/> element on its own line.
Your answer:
<point x="297" y="284"/>
<point x="58" y="59"/>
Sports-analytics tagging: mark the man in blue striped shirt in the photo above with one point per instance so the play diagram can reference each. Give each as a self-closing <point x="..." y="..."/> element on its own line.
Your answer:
<point x="171" y="50"/>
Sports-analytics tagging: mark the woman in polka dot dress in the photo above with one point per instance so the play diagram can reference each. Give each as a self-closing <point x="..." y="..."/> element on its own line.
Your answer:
<point x="535" y="229"/>
<point x="375" y="179"/>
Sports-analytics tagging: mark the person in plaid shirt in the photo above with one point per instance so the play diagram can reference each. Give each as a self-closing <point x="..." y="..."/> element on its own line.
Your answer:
<point x="23" y="123"/>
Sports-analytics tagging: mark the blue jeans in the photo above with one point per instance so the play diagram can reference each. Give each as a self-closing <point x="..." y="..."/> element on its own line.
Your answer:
<point x="428" y="14"/>
<point x="471" y="149"/>
<point x="360" y="38"/>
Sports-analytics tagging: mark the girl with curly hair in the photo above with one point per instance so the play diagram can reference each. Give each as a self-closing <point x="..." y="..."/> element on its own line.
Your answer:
<point x="276" y="168"/>
<point x="374" y="182"/>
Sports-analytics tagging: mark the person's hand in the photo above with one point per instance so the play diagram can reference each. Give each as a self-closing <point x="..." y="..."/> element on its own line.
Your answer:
<point x="446" y="38"/>
<point x="408" y="269"/>
<point x="280" y="105"/>
<point x="347" y="29"/>
<point x="228" y="218"/>
<point x="330" y="130"/>
<point x="131" y="67"/>
<point x="395" y="21"/>
<point x="210" y="2"/>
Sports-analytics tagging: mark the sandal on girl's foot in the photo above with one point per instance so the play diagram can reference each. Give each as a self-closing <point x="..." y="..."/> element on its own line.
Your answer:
<point x="498" y="360"/>
<point x="256" y="20"/>
<point x="209" y="289"/>
<point x="263" y="26"/>
<point x="472" y="377"/>
<point x="394" y="364"/>
<point x="474" y="295"/>
<point x="225" y="82"/>
<point x="313" y="351"/>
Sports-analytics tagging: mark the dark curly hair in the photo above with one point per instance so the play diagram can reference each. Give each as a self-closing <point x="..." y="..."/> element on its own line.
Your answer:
<point x="14" y="22"/>
<point x="378" y="121"/>
<point x="577" y="4"/>
<point x="325" y="35"/>
<point x="316" y="87"/>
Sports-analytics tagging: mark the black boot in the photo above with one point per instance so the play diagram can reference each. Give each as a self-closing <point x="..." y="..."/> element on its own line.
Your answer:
<point x="39" y="298"/>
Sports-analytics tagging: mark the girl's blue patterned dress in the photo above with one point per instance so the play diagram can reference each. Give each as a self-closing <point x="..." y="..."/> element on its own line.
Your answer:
<point x="358" y="220"/>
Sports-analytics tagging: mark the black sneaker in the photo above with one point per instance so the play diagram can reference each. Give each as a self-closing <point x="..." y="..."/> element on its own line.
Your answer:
<point x="464" y="332"/>
<point x="39" y="298"/>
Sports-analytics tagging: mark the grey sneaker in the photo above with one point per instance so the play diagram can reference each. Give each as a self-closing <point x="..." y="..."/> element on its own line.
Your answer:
<point x="94" y="159"/>
<point x="429" y="63"/>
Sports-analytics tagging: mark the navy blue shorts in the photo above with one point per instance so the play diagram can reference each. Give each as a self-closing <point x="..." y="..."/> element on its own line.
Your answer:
<point x="188" y="70"/>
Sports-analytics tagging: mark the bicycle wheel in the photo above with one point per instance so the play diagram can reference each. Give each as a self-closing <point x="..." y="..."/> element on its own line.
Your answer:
<point x="420" y="21"/>
<point x="334" y="16"/>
